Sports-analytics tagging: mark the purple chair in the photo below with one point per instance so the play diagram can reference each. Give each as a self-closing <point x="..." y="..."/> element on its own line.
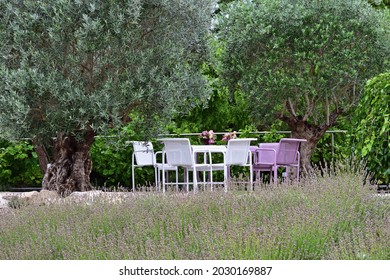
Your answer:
<point x="264" y="158"/>
<point x="270" y="156"/>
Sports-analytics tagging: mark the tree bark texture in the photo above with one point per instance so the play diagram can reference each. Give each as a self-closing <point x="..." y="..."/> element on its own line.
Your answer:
<point x="71" y="167"/>
<point x="302" y="129"/>
<point x="312" y="133"/>
<point x="43" y="157"/>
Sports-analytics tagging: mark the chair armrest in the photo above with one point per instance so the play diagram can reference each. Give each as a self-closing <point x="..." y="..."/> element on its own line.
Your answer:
<point x="264" y="149"/>
<point x="155" y="156"/>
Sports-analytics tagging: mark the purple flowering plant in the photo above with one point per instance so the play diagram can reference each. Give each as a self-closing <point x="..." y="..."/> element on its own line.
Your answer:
<point x="208" y="137"/>
<point x="230" y="135"/>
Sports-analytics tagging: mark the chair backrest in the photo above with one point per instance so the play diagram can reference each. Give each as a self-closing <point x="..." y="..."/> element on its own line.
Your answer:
<point x="178" y="151"/>
<point x="143" y="152"/>
<point x="237" y="151"/>
<point x="288" y="151"/>
<point x="268" y="154"/>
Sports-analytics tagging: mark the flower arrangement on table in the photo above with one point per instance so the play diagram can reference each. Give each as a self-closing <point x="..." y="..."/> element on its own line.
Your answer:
<point x="230" y="135"/>
<point x="208" y="137"/>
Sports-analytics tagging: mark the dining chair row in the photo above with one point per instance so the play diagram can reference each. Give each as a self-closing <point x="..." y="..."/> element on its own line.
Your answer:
<point x="178" y="152"/>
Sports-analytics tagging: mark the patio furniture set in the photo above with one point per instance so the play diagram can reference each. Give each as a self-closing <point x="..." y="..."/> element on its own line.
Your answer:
<point x="180" y="153"/>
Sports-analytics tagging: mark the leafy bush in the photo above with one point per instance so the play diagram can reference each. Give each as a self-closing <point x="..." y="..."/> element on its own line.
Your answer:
<point x="373" y="128"/>
<point x="111" y="159"/>
<point x="323" y="154"/>
<point x="19" y="165"/>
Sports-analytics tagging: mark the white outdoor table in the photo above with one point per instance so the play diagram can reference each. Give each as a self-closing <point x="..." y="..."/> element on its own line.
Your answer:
<point x="208" y="148"/>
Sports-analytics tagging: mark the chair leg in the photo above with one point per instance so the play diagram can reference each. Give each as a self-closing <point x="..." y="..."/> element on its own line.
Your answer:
<point x="163" y="180"/>
<point x="211" y="180"/>
<point x="133" y="179"/>
<point x="156" y="177"/>
<point x="204" y="180"/>
<point x="160" y="179"/>
<point x="195" y="180"/>
<point x="227" y="177"/>
<point x="177" y="179"/>
<point x="275" y="175"/>
<point x="251" y="177"/>
<point x="287" y="172"/>
<point x="186" y="178"/>
<point x="167" y="177"/>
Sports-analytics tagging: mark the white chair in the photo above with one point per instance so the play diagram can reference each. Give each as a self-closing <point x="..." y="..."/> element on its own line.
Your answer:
<point x="178" y="152"/>
<point x="237" y="153"/>
<point x="143" y="155"/>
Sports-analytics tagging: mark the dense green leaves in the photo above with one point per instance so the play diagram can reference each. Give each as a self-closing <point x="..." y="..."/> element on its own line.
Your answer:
<point x="68" y="65"/>
<point x="18" y="165"/>
<point x="373" y="129"/>
<point x="303" y="59"/>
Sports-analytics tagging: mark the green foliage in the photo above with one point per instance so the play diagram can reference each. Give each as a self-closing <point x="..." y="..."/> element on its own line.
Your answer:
<point x="68" y="66"/>
<point x="19" y="165"/>
<point x="272" y="134"/>
<point x="112" y="158"/>
<point x="303" y="58"/>
<point x="325" y="154"/>
<point x="112" y="164"/>
<point x="222" y="112"/>
<point x="373" y="127"/>
<point x="380" y="3"/>
<point x="247" y="132"/>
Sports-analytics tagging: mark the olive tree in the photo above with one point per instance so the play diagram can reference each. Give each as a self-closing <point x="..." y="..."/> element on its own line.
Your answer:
<point x="71" y="69"/>
<point x="303" y="62"/>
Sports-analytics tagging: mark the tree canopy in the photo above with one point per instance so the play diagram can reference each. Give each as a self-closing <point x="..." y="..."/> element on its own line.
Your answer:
<point x="304" y="62"/>
<point x="69" y="65"/>
<point x="70" y="69"/>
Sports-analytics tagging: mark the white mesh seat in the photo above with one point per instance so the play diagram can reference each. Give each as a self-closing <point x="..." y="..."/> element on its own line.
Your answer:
<point x="237" y="153"/>
<point x="178" y="153"/>
<point x="144" y="155"/>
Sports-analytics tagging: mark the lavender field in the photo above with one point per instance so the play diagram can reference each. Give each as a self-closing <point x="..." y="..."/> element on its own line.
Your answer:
<point x="326" y="217"/>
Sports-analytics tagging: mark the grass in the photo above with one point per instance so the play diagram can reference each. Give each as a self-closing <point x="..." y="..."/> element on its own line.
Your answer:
<point x="326" y="217"/>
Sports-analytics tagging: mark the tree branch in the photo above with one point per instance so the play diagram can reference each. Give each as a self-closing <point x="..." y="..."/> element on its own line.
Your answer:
<point x="290" y="108"/>
<point x="310" y="106"/>
<point x="125" y="114"/>
<point x="327" y="110"/>
<point x="289" y="120"/>
<point x="332" y="119"/>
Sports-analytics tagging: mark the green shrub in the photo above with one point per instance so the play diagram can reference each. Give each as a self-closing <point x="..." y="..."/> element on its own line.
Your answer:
<point x="111" y="159"/>
<point x="19" y="165"/>
<point x="373" y="128"/>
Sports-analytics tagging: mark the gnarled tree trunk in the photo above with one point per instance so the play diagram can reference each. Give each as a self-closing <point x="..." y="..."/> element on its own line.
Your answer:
<point x="43" y="156"/>
<point x="312" y="133"/>
<point x="301" y="128"/>
<point x="71" y="166"/>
